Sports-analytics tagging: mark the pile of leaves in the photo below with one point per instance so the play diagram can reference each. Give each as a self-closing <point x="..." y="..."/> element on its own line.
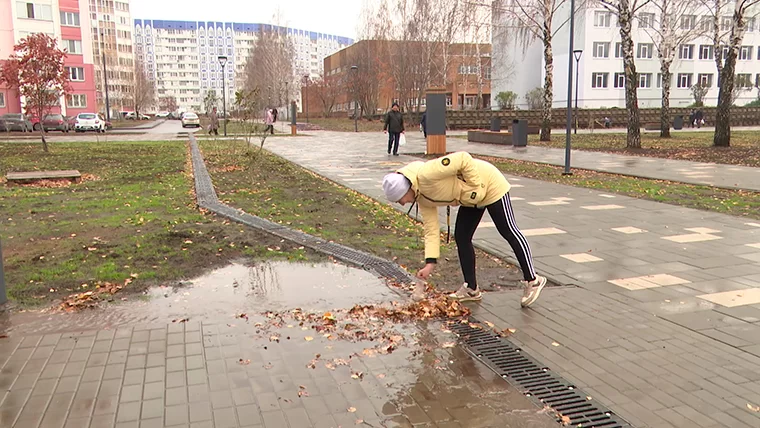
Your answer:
<point x="90" y="299"/>
<point x="53" y="183"/>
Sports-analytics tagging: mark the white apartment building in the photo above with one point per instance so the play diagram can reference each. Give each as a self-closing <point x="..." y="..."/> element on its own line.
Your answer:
<point x="113" y="20"/>
<point x="601" y="82"/>
<point x="182" y="56"/>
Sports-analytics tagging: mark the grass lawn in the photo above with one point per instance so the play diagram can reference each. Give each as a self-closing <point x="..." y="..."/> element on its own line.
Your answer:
<point x="733" y="202"/>
<point x="693" y="146"/>
<point x="132" y="216"/>
<point x="273" y="188"/>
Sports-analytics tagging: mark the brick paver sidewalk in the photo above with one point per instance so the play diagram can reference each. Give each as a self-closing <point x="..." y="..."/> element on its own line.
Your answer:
<point x="663" y="321"/>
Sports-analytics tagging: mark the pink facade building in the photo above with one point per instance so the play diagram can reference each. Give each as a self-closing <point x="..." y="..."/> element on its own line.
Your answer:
<point x="63" y="20"/>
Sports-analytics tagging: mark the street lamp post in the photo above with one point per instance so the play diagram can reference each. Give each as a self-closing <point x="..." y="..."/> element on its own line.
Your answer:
<point x="287" y="100"/>
<point x="105" y="75"/>
<point x="577" y="54"/>
<point x="223" y="62"/>
<point x="569" y="89"/>
<point x="355" y="71"/>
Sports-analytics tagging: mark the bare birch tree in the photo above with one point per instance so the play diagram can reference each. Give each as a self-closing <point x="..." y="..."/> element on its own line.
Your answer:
<point x="270" y="63"/>
<point x="144" y="95"/>
<point x="674" y="25"/>
<point x="728" y="32"/>
<point x="534" y="20"/>
<point x="625" y="10"/>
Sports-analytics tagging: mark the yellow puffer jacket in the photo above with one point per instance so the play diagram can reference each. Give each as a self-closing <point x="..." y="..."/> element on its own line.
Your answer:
<point x="451" y="180"/>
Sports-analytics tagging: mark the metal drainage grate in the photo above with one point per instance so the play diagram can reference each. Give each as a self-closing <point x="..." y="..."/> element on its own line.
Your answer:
<point x="207" y="199"/>
<point x="535" y="380"/>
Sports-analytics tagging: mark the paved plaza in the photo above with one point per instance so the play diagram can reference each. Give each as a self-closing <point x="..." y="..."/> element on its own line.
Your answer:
<point x="659" y="319"/>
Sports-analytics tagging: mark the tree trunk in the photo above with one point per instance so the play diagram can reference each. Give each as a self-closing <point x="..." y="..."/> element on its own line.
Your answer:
<point x="665" y="110"/>
<point x="723" y="111"/>
<point x="546" y="114"/>
<point x="42" y="135"/>
<point x="633" y="138"/>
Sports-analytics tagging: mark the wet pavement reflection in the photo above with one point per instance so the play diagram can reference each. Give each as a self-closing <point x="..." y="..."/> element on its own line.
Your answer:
<point x="264" y="345"/>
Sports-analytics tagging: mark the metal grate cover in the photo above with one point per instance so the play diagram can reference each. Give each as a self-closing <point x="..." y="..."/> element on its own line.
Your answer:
<point x="207" y="199"/>
<point x="533" y="379"/>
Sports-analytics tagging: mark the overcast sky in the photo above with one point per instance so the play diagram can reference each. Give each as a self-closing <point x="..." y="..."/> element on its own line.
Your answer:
<point x="337" y="17"/>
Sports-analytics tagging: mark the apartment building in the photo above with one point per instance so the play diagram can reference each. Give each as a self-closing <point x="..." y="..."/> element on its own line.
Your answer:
<point x="183" y="56"/>
<point x="601" y="82"/>
<point x="111" y="36"/>
<point x="63" y="20"/>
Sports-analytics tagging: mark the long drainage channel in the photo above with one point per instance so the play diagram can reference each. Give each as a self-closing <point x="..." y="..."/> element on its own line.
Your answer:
<point x="534" y="380"/>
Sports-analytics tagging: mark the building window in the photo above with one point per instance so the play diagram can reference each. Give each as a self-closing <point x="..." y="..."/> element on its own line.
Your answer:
<point x="76" y="74"/>
<point x="601" y="49"/>
<point x="77" y="101"/>
<point x="688" y="22"/>
<point x="70" y="19"/>
<point x="751" y="24"/>
<point x="34" y="11"/>
<point x="2" y="98"/>
<point x="646" y="20"/>
<point x="684" y="80"/>
<point x="618" y="50"/>
<point x="705" y="80"/>
<point x="745" y="53"/>
<point x="686" y="52"/>
<point x="726" y="22"/>
<point x="601" y="18"/>
<point x="705" y="52"/>
<point x="645" y="80"/>
<point x="706" y="23"/>
<point x="619" y="81"/>
<point x="744" y="80"/>
<point x="599" y="80"/>
<point x="645" y="50"/>
<point x="73" y="46"/>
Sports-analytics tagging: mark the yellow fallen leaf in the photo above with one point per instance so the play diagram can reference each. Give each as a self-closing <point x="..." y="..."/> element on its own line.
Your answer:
<point x="565" y="420"/>
<point x="490" y="324"/>
<point x="188" y="242"/>
<point x="352" y="409"/>
<point x="448" y="345"/>
<point x="309" y="338"/>
<point x="753" y="408"/>
<point x="359" y="421"/>
<point x="555" y="344"/>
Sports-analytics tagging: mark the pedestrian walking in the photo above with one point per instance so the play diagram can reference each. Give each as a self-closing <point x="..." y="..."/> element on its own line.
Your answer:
<point x="394" y="126"/>
<point x="692" y="118"/>
<point x="475" y="186"/>
<point x="423" y="124"/>
<point x="700" y="118"/>
<point x="269" y="121"/>
<point x="213" y="128"/>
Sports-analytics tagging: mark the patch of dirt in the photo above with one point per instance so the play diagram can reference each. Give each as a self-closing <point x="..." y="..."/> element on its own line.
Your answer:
<point x="53" y="182"/>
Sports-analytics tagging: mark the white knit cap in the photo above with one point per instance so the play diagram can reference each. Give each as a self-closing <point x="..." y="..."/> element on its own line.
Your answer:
<point x="395" y="186"/>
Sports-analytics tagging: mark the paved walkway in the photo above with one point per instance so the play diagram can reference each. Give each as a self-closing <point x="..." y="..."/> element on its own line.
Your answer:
<point x="711" y="174"/>
<point x="663" y="324"/>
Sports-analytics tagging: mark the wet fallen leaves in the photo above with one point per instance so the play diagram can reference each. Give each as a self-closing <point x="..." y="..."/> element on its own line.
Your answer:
<point x="243" y="362"/>
<point x="90" y="299"/>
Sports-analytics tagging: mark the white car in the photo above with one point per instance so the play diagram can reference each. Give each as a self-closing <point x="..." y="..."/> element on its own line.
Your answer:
<point x="89" y="122"/>
<point x="191" y="119"/>
<point x="162" y="114"/>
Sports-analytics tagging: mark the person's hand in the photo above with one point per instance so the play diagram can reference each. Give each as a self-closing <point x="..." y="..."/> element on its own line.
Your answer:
<point x="425" y="272"/>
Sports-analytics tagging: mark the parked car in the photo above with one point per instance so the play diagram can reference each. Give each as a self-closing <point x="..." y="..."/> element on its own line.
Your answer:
<point x="133" y="116"/>
<point x="55" y="122"/>
<point x="89" y="122"/>
<point x="162" y="114"/>
<point x="15" y="122"/>
<point x="190" y="119"/>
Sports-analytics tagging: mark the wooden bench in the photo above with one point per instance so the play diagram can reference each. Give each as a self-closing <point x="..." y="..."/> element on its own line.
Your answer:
<point x="27" y="177"/>
<point x="489" y="137"/>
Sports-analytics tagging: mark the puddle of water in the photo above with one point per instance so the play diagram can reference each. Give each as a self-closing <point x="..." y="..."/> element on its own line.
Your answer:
<point x="237" y="288"/>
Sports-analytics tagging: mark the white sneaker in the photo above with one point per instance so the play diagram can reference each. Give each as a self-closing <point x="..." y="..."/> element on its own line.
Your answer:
<point x="532" y="290"/>
<point x="466" y="294"/>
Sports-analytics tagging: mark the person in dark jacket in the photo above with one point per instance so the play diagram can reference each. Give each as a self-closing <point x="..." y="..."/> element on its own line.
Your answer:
<point x="699" y="118"/>
<point x="423" y="123"/>
<point x="394" y="126"/>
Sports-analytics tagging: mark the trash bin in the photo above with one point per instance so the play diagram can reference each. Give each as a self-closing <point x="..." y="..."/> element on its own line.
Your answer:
<point x="495" y="124"/>
<point x="678" y="122"/>
<point x="519" y="132"/>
